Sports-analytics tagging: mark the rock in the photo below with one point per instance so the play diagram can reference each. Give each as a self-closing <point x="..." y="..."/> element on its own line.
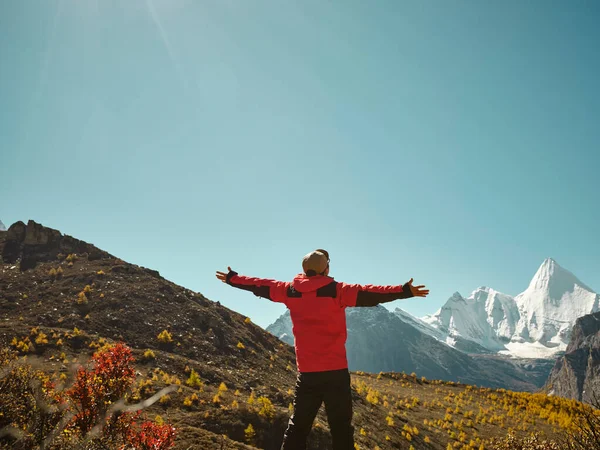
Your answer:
<point x="577" y="373"/>
<point x="33" y="243"/>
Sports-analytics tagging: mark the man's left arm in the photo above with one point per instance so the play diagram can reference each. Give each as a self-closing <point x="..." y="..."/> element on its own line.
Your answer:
<point x="370" y="295"/>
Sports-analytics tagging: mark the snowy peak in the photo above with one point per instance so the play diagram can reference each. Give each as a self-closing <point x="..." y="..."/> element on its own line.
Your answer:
<point x="469" y="318"/>
<point x="456" y="298"/>
<point x="555" y="279"/>
<point x="551" y="304"/>
<point x="2" y="227"/>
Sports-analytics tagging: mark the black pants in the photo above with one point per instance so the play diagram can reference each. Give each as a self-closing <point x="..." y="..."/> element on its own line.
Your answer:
<point x="312" y="389"/>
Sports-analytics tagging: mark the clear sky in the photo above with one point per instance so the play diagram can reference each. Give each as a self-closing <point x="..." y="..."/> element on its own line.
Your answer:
<point x="457" y="142"/>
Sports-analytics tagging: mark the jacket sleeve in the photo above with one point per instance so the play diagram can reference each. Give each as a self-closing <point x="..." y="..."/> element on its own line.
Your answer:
<point x="275" y="291"/>
<point x="370" y="295"/>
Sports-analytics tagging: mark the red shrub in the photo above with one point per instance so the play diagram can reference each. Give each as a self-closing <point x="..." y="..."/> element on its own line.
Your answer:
<point x="151" y="436"/>
<point x="95" y="389"/>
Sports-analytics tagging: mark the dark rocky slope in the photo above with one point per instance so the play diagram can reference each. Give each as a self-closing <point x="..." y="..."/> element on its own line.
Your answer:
<point x="577" y="373"/>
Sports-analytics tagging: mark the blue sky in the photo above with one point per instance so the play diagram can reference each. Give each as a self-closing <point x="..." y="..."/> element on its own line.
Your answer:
<point x="454" y="142"/>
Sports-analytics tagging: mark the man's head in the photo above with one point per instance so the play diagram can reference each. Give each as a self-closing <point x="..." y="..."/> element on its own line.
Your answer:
<point x="316" y="263"/>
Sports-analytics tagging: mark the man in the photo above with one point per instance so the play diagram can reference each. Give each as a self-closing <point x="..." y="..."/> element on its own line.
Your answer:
<point x="317" y="308"/>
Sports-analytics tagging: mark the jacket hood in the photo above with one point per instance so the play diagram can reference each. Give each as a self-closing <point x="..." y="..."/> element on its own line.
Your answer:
<point x="302" y="283"/>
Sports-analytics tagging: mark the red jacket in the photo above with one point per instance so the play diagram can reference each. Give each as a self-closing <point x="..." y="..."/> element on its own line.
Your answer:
<point x="317" y="308"/>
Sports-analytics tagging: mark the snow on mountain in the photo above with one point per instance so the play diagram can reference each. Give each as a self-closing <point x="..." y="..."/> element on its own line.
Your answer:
<point x="551" y="304"/>
<point x="282" y="328"/>
<point x="535" y="324"/>
<point x="2" y="227"/>
<point x="484" y="317"/>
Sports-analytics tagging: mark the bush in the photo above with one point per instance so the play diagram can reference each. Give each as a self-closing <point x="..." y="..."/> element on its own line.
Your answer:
<point x="28" y="410"/>
<point x="250" y="434"/>
<point x="194" y="380"/>
<point x="151" y="436"/>
<point x="149" y="355"/>
<point x="83" y="416"/>
<point x="266" y="408"/>
<point x="82" y="298"/>
<point x="165" y="337"/>
<point x="584" y="432"/>
<point x="531" y="442"/>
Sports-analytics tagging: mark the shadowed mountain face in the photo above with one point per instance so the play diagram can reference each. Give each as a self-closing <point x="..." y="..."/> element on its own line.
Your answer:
<point x="378" y="340"/>
<point x="577" y="373"/>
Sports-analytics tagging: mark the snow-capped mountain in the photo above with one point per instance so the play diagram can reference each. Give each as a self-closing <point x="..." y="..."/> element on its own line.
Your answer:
<point x="551" y="304"/>
<point x="2" y="227"/>
<point x="535" y="323"/>
<point x="487" y="318"/>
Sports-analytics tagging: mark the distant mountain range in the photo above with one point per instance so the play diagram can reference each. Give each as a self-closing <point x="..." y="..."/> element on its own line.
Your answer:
<point x="489" y="338"/>
<point x="2" y="227"/>
<point x="536" y="323"/>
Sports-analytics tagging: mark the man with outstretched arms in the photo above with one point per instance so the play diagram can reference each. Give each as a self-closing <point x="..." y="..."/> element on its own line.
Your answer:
<point x="317" y="308"/>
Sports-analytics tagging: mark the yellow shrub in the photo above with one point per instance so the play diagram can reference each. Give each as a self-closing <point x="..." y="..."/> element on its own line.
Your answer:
<point x="266" y="407"/>
<point x="82" y="299"/>
<point x="250" y="434"/>
<point x="41" y="339"/>
<point x="194" y="380"/>
<point x="165" y="336"/>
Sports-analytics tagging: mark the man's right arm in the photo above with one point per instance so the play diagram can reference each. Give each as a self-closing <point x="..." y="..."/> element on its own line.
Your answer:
<point x="270" y="289"/>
